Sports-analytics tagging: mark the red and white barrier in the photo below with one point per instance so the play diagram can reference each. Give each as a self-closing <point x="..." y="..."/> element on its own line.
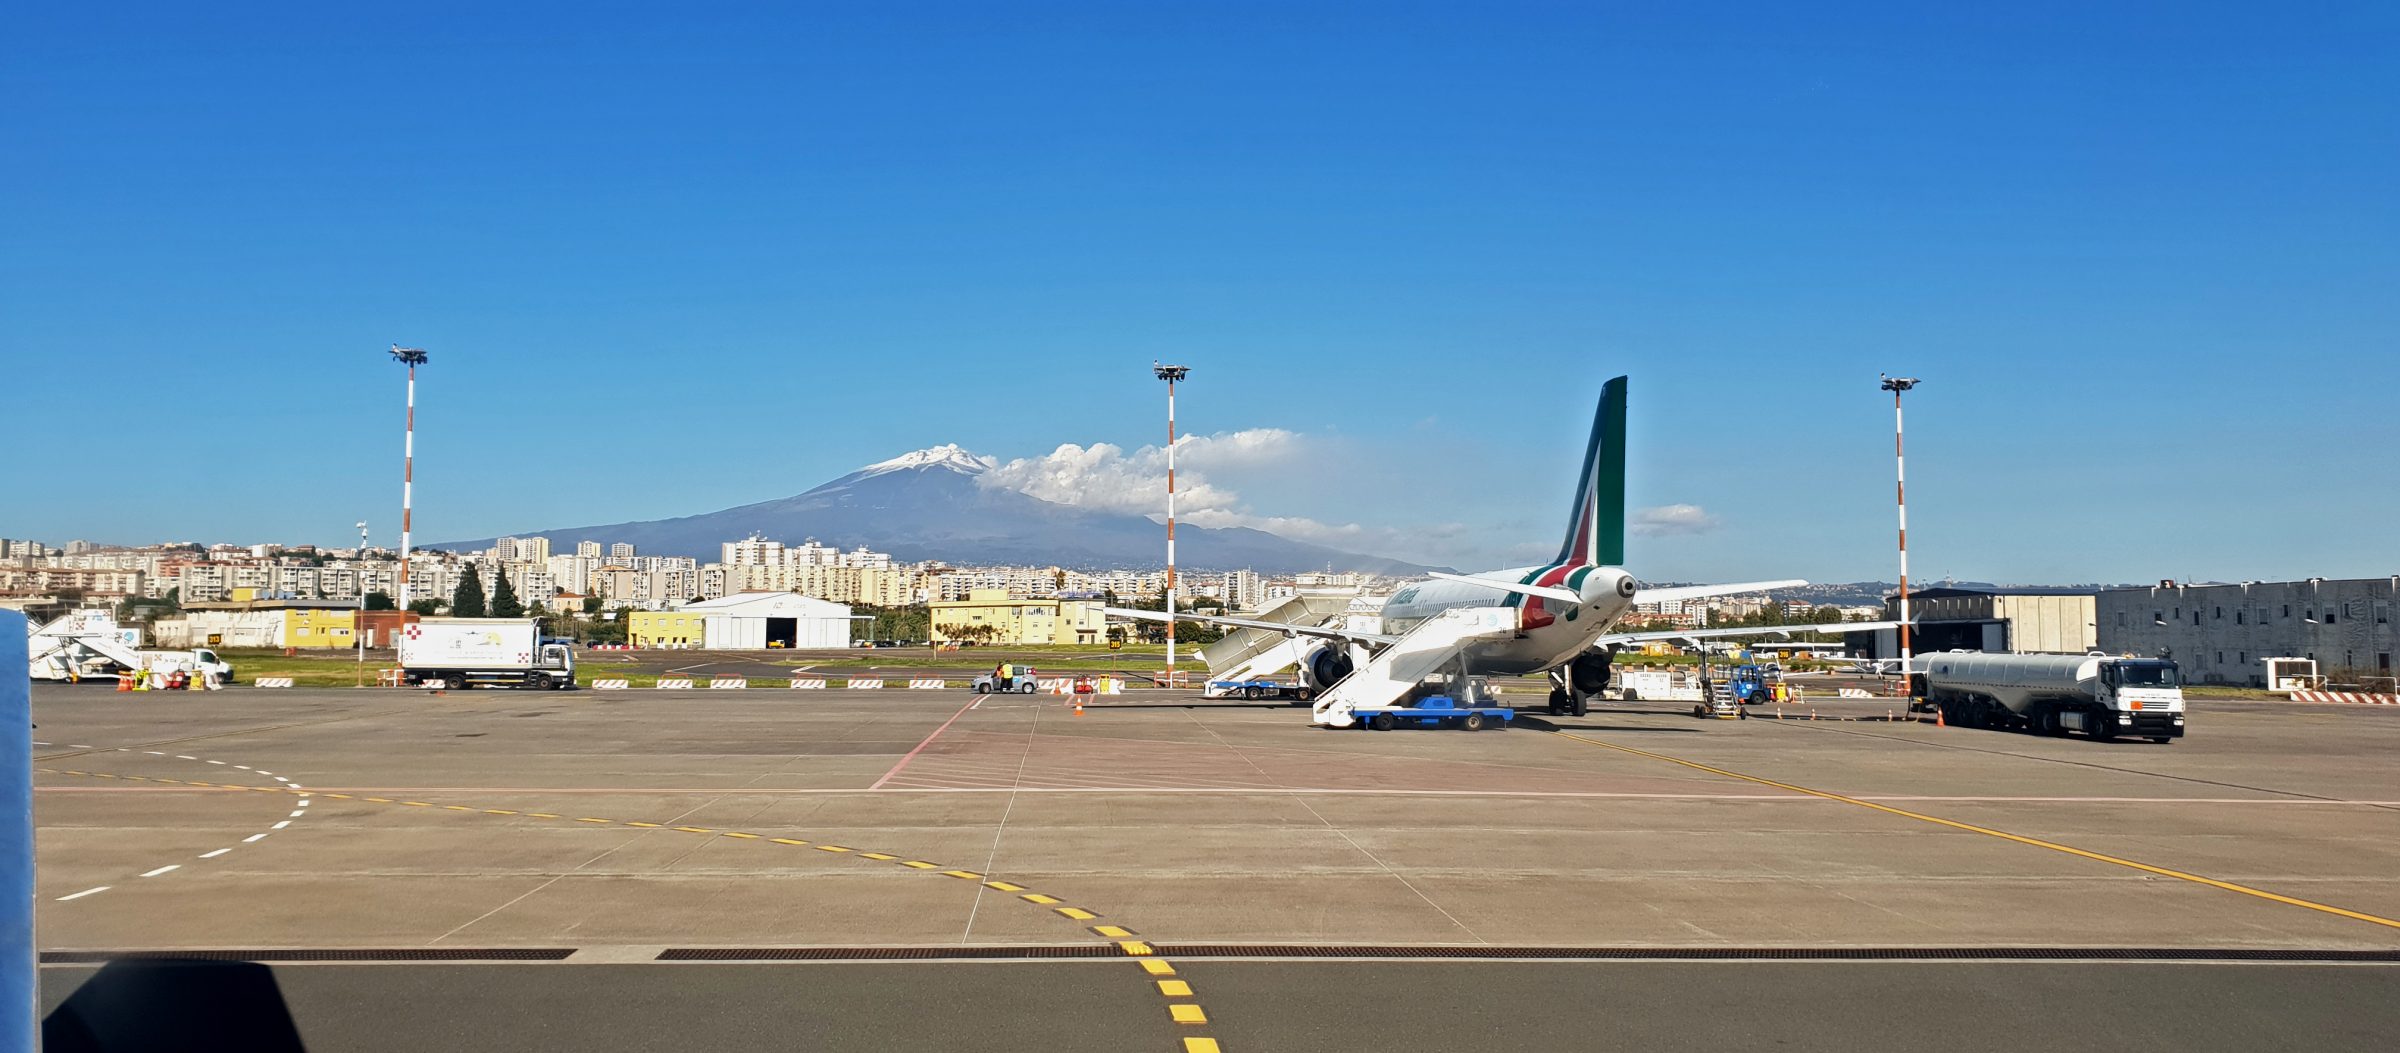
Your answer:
<point x="273" y="681"/>
<point x="727" y="683"/>
<point x="674" y="684"/>
<point x="809" y="683"/>
<point x="865" y="683"/>
<point x="2350" y="697"/>
<point x="611" y="685"/>
<point x="920" y="683"/>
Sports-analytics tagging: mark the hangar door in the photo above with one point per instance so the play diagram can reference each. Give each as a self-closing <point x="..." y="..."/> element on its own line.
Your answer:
<point x="783" y="632"/>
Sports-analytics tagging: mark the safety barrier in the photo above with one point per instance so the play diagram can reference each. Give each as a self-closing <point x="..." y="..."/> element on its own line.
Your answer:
<point x="920" y="683"/>
<point x="864" y="684"/>
<point x="1856" y="692"/>
<point x="2355" y="698"/>
<point x="273" y="681"/>
<point x="611" y="685"/>
<point x="674" y="684"/>
<point x="809" y="683"/>
<point x="727" y="683"/>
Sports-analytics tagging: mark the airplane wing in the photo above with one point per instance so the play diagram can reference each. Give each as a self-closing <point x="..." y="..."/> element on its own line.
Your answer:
<point x="1786" y="631"/>
<point x="1320" y="631"/>
<point x="1693" y="592"/>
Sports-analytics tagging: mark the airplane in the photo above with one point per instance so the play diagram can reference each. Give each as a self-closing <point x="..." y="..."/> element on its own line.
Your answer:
<point x="1563" y="610"/>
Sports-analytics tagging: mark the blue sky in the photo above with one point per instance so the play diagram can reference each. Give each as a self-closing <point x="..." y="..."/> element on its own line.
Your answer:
<point x="670" y="260"/>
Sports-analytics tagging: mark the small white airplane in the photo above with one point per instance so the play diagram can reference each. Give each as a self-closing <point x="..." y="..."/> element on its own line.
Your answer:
<point x="1564" y="608"/>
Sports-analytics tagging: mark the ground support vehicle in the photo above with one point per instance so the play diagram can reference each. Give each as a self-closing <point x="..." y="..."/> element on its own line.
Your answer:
<point x="484" y="652"/>
<point x="1019" y="683"/>
<point x="2097" y="694"/>
<point x="1435" y="711"/>
<point x="1719" y="700"/>
<point x="1260" y="687"/>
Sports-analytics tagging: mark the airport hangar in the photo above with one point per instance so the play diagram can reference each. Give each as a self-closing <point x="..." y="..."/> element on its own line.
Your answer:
<point x="745" y="621"/>
<point x="2025" y="620"/>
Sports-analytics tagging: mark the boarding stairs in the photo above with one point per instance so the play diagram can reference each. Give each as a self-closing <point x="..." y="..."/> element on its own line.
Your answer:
<point x="1241" y="646"/>
<point x="1396" y="670"/>
<point x="66" y="649"/>
<point x="1282" y="655"/>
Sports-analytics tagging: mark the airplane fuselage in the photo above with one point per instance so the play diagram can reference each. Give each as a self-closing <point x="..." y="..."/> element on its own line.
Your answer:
<point x="1550" y="632"/>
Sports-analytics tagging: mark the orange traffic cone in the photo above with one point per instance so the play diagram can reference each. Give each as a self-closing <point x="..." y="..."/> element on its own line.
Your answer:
<point x="124" y="681"/>
<point x="1940" y="718"/>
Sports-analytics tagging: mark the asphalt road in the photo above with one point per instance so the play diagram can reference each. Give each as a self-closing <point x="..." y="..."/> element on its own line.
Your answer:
<point x="1295" y="1007"/>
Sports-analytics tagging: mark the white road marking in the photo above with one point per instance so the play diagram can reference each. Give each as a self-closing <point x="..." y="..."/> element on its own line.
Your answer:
<point x="154" y="753"/>
<point x="254" y="837"/>
<point x="181" y="756"/>
<point x="216" y="762"/>
<point x="280" y="825"/>
<point x="296" y="813"/>
<point x="244" y="767"/>
<point x="164" y="869"/>
<point x="261" y="771"/>
<point x="85" y="892"/>
<point x="215" y="854"/>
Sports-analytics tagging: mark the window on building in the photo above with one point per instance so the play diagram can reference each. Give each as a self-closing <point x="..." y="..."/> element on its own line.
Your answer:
<point x="2287" y="610"/>
<point x="2237" y="617"/>
<point x="2120" y="619"/>
<point x="2330" y="616"/>
<point x="2220" y="658"/>
<point x="2195" y="616"/>
<point x="2241" y="657"/>
<point x="2220" y="614"/>
<point x="2383" y="613"/>
<point x="2383" y="661"/>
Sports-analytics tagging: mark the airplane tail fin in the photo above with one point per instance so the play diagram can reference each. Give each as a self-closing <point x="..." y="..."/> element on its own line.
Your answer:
<point x="1596" y="532"/>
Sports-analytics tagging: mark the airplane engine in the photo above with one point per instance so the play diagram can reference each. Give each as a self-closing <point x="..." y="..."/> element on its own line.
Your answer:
<point x="1589" y="672"/>
<point x="1324" y="666"/>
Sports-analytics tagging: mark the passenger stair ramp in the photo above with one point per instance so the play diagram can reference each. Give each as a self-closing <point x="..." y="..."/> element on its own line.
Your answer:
<point x="1399" y="668"/>
<point x="1239" y="655"/>
<point x="67" y="646"/>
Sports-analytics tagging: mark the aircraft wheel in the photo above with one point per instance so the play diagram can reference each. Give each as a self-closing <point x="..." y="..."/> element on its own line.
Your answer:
<point x="1581" y="705"/>
<point x="1558" y="702"/>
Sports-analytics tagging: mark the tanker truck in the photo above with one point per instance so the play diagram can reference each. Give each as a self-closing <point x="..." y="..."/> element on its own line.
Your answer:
<point x="2099" y="695"/>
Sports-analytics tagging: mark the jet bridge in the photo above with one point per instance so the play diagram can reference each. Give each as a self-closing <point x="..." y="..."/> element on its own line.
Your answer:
<point x="1399" y="668"/>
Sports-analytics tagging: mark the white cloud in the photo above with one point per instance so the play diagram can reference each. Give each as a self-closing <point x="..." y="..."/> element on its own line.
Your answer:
<point x="1105" y="476"/>
<point x="1665" y="520"/>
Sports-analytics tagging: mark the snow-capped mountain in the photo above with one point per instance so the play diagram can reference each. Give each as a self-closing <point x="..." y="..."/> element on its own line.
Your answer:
<point x="928" y="504"/>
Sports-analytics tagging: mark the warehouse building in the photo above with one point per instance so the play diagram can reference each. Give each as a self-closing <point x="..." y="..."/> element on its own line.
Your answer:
<point x="299" y="624"/>
<point x="744" y="621"/>
<point x="2220" y="633"/>
<point x="2023" y="620"/>
<point x="992" y="616"/>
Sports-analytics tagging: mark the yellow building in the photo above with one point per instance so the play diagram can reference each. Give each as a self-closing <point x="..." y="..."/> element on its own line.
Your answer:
<point x="317" y="627"/>
<point x="1017" y="621"/>
<point x="665" y="628"/>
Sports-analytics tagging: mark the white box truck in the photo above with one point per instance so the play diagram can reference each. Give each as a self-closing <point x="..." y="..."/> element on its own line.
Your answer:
<point x="484" y="652"/>
<point x="2099" y="695"/>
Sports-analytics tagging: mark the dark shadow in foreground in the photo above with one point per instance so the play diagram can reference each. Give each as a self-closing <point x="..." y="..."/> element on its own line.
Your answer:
<point x="174" y="1004"/>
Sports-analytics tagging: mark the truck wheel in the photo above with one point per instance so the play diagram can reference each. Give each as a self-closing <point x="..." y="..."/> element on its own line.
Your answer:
<point x="2104" y="729"/>
<point x="1383" y="722"/>
<point x="1250" y="692"/>
<point x="1700" y="710"/>
<point x="1471" y="722"/>
<point x="1629" y="695"/>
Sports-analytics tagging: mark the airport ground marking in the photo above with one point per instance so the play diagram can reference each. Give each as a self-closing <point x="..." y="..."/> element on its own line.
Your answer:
<point x="299" y="808"/>
<point x="2004" y="835"/>
<point x="1182" y="1009"/>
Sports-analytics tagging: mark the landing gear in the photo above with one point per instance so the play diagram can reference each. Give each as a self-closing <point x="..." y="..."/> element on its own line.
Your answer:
<point x="1566" y="702"/>
<point x="1559" y="702"/>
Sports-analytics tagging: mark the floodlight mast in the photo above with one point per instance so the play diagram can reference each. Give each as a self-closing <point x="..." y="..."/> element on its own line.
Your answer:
<point x="1170" y="374"/>
<point x="412" y="357"/>
<point x="1898" y="386"/>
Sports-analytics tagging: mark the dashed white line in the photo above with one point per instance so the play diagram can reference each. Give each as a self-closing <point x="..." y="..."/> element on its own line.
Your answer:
<point x="280" y="825"/>
<point x="262" y="771"/>
<point x="254" y="837"/>
<point x="155" y="753"/>
<point x="185" y="756"/>
<point x="296" y="813"/>
<point x="85" y="892"/>
<point x="164" y="869"/>
<point x="216" y="762"/>
<point x="215" y="854"/>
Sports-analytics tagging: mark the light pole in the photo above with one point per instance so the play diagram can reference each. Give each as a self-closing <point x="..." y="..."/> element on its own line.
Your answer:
<point x="411" y="357"/>
<point x="358" y="622"/>
<point x="1170" y="374"/>
<point x="1898" y="386"/>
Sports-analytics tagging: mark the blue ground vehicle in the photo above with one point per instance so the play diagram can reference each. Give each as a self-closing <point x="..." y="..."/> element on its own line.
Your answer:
<point x="1752" y="685"/>
<point x="1435" y="711"/>
<point x="1258" y="688"/>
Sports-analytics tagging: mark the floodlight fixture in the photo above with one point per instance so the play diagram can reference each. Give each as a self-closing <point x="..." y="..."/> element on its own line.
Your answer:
<point x="409" y="356"/>
<point x="1897" y="385"/>
<point x="1170" y="374"/>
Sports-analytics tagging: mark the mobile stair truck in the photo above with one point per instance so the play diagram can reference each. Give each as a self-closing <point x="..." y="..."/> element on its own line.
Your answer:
<point x="484" y="652"/>
<point x="2102" y="696"/>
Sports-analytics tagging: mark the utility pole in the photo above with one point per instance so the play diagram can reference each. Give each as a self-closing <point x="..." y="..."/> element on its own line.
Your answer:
<point x="1170" y="374"/>
<point x="412" y="357"/>
<point x="1898" y="386"/>
<point x="358" y="622"/>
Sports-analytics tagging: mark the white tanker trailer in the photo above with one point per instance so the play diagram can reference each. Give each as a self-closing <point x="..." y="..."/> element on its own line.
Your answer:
<point x="2097" y="694"/>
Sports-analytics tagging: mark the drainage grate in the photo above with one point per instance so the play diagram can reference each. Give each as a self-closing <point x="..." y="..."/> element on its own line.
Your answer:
<point x="879" y="954"/>
<point x="1680" y="954"/>
<point x="322" y="954"/>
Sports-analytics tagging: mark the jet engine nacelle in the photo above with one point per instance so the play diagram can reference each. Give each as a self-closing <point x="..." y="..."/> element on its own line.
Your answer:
<point x="1325" y="666"/>
<point x="1589" y="671"/>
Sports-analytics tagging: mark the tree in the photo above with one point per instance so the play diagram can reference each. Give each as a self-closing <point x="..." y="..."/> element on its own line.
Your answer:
<point x="175" y="597"/>
<point x="591" y="604"/>
<point x="427" y="608"/>
<point x="381" y="601"/>
<point x="467" y="600"/>
<point x="504" y="596"/>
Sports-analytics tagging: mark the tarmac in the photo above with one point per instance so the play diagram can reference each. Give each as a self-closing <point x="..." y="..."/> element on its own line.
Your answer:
<point x="1301" y="888"/>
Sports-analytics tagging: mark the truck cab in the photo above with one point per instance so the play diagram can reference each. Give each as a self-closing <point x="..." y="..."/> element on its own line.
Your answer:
<point x="2143" y="696"/>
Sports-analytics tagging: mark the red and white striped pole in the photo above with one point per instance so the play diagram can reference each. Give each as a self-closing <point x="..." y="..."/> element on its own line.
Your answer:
<point x="413" y="357"/>
<point x="1170" y="374"/>
<point x="1897" y="385"/>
